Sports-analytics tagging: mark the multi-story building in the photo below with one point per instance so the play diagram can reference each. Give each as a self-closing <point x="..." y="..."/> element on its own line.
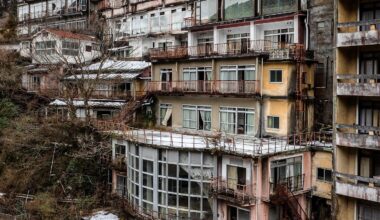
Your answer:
<point x="233" y="120"/>
<point x="141" y="25"/>
<point x="357" y="110"/>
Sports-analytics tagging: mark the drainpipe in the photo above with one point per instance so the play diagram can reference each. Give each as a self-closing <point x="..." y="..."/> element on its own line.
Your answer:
<point x="261" y="121"/>
<point x="307" y="29"/>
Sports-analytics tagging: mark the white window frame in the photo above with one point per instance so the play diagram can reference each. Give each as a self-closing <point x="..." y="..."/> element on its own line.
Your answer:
<point x="236" y="111"/>
<point x="197" y="110"/>
<point x="279" y="122"/>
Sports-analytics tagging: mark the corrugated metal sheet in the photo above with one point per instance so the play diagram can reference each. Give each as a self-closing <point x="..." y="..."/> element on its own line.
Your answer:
<point x="92" y="103"/>
<point x="104" y="76"/>
<point x="119" y="65"/>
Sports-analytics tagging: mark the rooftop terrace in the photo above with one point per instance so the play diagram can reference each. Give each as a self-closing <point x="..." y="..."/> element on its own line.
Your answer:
<point x="234" y="144"/>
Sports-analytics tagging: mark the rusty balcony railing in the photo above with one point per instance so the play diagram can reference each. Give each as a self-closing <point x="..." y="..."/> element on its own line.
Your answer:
<point x="274" y="50"/>
<point x="168" y="53"/>
<point x="228" y="143"/>
<point x="293" y="183"/>
<point x="206" y="86"/>
<point x="230" y="189"/>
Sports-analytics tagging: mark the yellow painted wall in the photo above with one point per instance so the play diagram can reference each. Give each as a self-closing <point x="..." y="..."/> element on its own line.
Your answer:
<point x="321" y="159"/>
<point x="214" y="102"/>
<point x="281" y="108"/>
<point x="346" y="208"/>
<point x="276" y="89"/>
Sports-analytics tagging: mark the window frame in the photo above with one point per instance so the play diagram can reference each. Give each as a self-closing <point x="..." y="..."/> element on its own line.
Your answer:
<point x="236" y="111"/>
<point x="276" y="71"/>
<point x="324" y="174"/>
<point x="197" y="109"/>
<point x="274" y="116"/>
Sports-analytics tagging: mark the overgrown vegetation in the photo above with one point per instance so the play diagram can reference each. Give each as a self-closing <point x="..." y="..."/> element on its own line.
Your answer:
<point x="47" y="168"/>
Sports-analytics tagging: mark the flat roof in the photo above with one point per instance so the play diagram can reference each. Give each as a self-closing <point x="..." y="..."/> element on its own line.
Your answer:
<point x="235" y="144"/>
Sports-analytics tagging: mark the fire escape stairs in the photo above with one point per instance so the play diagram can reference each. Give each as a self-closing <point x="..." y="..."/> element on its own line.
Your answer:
<point x="285" y="197"/>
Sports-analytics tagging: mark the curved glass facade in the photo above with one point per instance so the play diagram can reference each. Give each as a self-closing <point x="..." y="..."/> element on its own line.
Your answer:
<point x="173" y="183"/>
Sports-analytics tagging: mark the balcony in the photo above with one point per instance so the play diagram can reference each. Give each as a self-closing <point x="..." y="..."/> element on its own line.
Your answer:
<point x="358" y="85"/>
<point x="274" y="51"/>
<point x="216" y="87"/>
<point x="231" y="191"/>
<point x="168" y="53"/>
<point x="358" y="136"/>
<point x="292" y="183"/>
<point x="358" y="187"/>
<point x="359" y="33"/>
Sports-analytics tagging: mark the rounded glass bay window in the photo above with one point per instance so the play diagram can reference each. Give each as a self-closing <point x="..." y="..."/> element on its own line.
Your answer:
<point x="174" y="184"/>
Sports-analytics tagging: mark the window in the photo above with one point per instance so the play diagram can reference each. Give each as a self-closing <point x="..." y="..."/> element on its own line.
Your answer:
<point x="275" y="76"/>
<point x="368" y="210"/>
<point x="287" y="171"/>
<point x="235" y="213"/>
<point x="121" y="185"/>
<point x="35" y="82"/>
<point x="197" y="79"/>
<point x="278" y="6"/>
<point x="197" y="117"/>
<point x="88" y="48"/>
<point x="237" y="120"/>
<point x="273" y="122"/>
<point x="166" y="115"/>
<point x="119" y="150"/>
<point x="234" y="9"/>
<point x="236" y="177"/>
<point x="237" y="79"/>
<point x="238" y="43"/>
<point x="324" y="174"/>
<point x="280" y="36"/>
<point x="70" y="48"/>
<point x="45" y="48"/>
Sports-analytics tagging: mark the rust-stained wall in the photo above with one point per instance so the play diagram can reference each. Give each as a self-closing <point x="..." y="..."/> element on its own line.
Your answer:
<point x="321" y="159"/>
<point x="321" y="41"/>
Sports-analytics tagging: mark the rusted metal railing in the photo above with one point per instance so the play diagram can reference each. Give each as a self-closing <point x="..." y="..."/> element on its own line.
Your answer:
<point x="224" y="142"/>
<point x="206" y="86"/>
<point x="241" y="193"/>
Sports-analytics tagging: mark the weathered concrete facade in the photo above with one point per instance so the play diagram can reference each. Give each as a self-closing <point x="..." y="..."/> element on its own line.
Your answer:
<point x="356" y="115"/>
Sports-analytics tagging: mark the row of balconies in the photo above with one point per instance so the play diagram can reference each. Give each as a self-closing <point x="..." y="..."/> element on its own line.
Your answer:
<point x="236" y="87"/>
<point x="96" y="94"/>
<point x="46" y="14"/>
<point x="275" y="51"/>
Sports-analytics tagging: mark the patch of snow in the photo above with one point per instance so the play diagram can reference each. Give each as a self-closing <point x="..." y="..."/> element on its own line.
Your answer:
<point x="102" y="215"/>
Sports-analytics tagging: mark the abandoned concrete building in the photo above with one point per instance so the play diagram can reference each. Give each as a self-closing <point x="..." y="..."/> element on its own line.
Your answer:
<point x="357" y="110"/>
<point x="213" y="104"/>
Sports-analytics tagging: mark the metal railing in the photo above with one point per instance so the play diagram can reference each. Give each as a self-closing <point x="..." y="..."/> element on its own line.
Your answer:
<point x="241" y="193"/>
<point x="274" y="50"/>
<point x="168" y="53"/>
<point x="206" y="86"/>
<point x="228" y="143"/>
<point x="292" y="183"/>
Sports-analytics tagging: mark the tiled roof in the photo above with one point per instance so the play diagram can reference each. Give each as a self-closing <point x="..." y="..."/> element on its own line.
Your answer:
<point x="71" y="35"/>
